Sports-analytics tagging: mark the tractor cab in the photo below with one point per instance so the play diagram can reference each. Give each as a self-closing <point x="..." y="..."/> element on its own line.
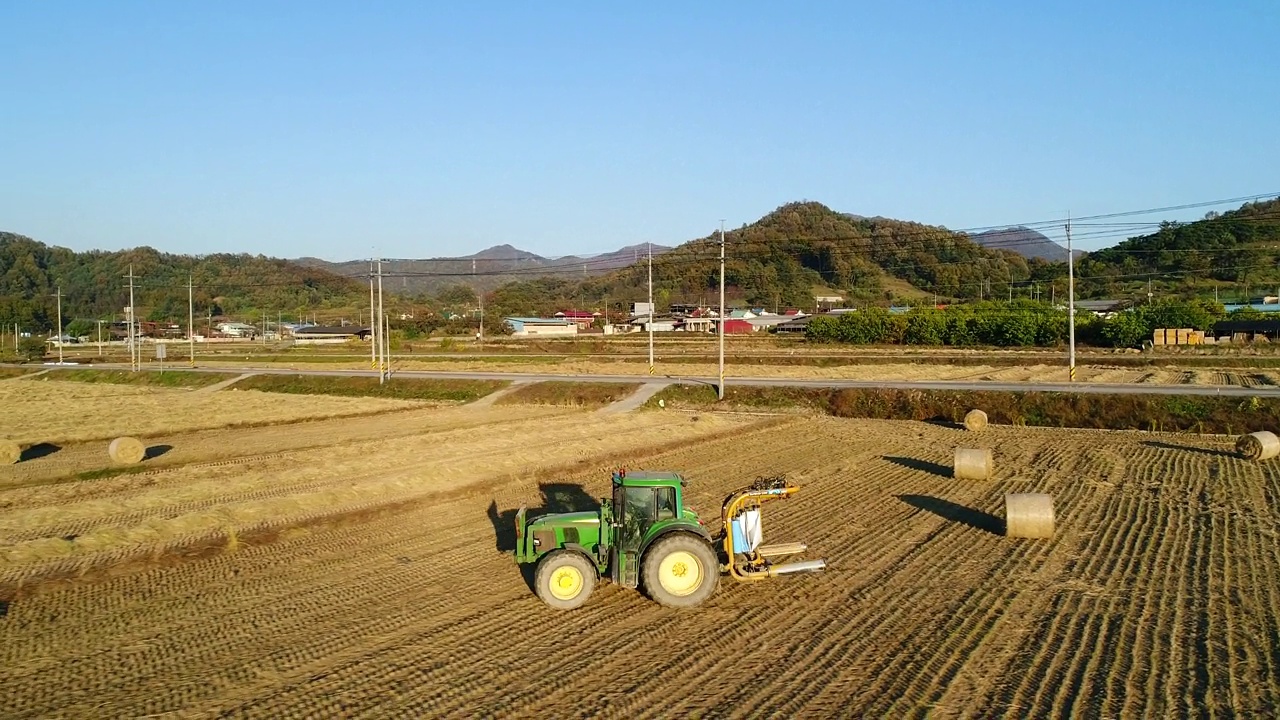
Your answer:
<point x="646" y="506"/>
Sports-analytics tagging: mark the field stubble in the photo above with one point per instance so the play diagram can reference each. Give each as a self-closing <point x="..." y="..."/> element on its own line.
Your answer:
<point x="48" y="411"/>
<point x="1156" y="597"/>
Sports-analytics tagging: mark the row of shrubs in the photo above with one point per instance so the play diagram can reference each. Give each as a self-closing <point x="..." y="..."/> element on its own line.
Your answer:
<point x="1020" y="324"/>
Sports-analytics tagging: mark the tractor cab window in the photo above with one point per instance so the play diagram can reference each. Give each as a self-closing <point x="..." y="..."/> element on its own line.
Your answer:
<point x="640" y="503"/>
<point x="639" y="513"/>
<point x="666" y="503"/>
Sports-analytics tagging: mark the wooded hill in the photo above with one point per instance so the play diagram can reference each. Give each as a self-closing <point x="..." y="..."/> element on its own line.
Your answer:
<point x="95" y="284"/>
<point x="1237" y="252"/>
<point x="783" y="258"/>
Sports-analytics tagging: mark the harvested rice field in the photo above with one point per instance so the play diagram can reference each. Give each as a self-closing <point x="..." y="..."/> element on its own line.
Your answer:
<point x="367" y="576"/>
<point x="40" y="410"/>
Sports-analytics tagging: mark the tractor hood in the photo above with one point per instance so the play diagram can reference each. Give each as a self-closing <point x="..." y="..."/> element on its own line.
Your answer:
<point x="585" y="517"/>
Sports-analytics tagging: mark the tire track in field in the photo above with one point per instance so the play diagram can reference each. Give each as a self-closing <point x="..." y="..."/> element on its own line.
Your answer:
<point x="1072" y="625"/>
<point x="917" y="679"/>
<point x="298" y="620"/>
<point x="417" y="615"/>
<point x="692" y="471"/>
<point x="505" y="561"/>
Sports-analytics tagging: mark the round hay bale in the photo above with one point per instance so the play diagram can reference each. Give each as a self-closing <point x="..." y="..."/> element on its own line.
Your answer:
<point x="127" y="450"/>
<point x="1261" y="445"/>
<point x="975" y="420"/>
<point x="972" y="464"/>
<point x="1028" y="515"/>
<point x="10" y="452"/>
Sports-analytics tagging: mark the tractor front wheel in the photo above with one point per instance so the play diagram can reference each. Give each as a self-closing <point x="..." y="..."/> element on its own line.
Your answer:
<point x="681" y="570"/>
<point x="564" y="579"/>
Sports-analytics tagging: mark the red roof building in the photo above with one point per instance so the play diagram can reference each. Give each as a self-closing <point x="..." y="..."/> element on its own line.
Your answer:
<point x="734" y="327"/>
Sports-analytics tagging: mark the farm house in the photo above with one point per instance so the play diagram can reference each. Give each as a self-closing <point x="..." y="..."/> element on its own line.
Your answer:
<point x="542" y="327"/>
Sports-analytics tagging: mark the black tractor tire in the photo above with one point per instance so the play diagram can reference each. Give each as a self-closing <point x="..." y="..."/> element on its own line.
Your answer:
<point x="688" y="553"/>
<point x="550" y="585"/>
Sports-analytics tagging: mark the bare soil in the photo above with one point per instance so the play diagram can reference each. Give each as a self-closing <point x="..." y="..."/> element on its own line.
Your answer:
<point x="1158" y="596"/>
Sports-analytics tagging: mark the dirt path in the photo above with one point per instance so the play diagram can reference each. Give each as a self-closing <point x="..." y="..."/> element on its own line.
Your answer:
<point x="636" y="399"/>
<point x="1157" y="597"/>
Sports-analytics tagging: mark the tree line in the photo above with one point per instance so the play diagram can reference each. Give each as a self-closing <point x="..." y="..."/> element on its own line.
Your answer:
<point x="94" y="285"/>
<point x="1019" y="324"/>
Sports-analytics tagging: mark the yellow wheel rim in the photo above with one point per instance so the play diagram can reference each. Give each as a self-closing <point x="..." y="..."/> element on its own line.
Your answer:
<point x="680" y="573"/>
<point x="566" y="583"/>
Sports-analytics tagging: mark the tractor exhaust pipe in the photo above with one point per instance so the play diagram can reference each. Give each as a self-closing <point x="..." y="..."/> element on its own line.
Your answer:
<point x="798" y="567"/>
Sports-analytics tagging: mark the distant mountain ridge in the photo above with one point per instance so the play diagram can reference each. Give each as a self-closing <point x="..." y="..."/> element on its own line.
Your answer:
<point x="1023" y="240"/>
<point x="489" y="268"/>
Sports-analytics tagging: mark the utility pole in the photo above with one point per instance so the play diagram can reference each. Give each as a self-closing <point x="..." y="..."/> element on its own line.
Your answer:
<point x="480" y="298"/>
<point x="1071" y="306"/>
<point x="650" y="245"/>
<point x="99" y="337"/>
<point x="59" y="296"/>
<point x="720" y="387"/>
<point x="191" y="321"/>
<point x="133" y="344"/>
<point x="373" y="324"/>
<point x="382" y="358"/>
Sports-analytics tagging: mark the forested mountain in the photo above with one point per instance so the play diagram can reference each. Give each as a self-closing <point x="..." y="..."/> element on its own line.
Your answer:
<point x="488" y="269"/>
<point x="1026" y="242"/>
<point x="1237" y="252"/>
<point x="782" y="258"/>
<point x="95" y="284"/>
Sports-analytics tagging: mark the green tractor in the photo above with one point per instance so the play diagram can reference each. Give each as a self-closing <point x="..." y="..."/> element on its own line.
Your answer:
<point x="646" y="535"/>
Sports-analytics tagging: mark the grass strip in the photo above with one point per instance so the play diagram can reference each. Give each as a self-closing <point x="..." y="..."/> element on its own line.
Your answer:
<point x="398" y="388"/>
<point x="168" y="378"/>
<point x="1197" y="413"/>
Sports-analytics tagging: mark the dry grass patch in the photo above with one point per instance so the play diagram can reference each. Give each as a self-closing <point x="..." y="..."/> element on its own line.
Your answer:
<point x="574" y="394"/>
<point x="41" y="410"/>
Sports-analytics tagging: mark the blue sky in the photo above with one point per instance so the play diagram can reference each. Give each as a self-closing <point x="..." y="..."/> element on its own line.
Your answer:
<point x="428" y="129"/>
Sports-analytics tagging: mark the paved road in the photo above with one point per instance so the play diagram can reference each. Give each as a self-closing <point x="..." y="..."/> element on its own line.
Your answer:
<point x="1080" y="387"/>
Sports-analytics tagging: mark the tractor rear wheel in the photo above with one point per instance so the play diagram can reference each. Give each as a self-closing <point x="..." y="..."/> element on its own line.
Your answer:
<point x="564" y="579"/>
<point x="681" y="570"/>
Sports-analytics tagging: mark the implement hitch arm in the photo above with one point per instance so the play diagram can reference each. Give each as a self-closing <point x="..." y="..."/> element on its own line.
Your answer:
<point x="740" y="516"/>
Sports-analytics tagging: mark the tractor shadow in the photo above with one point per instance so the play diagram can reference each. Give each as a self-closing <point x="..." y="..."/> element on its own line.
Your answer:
<point x="556" y="498"/>
<point x="1189" y="448"/>
<point x="922" y="465"/>
<point x="948" y="510"/>
<point x="37" y="451"/>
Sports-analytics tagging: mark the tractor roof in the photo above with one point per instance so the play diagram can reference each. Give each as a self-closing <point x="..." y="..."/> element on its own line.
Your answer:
<point x="647" y="477"/>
